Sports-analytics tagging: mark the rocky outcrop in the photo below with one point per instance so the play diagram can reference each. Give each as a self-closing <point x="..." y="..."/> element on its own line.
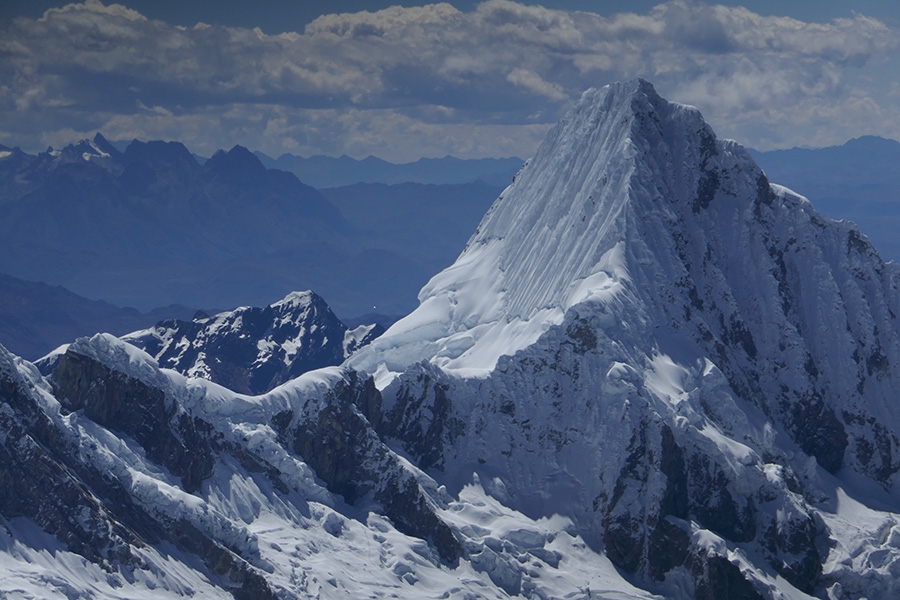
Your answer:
<point x="340" y="444"/>
<point x="39" y="480"/>
<point x="170" y="436"/>
<point x="253" y="350"/>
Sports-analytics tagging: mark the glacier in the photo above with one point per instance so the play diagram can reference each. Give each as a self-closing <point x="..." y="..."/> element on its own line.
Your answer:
<point x="651" y="373"/>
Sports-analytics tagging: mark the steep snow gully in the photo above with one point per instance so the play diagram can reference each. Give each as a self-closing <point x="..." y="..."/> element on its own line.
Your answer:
<point x="650" y="373"/>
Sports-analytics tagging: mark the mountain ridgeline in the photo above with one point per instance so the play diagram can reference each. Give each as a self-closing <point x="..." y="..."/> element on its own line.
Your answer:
<point x="35" y="317"/>
<point x="150" y="225"/>
<point x="650" y="373"/>
<point x="858" y="181"/>
<point x="326" y="172"/>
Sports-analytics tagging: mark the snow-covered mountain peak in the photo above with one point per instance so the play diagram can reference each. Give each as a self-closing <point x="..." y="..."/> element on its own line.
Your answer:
<point x="568" y="229"/>
<point x="97" y="150"/>
<point x="295" y="300"/>
<point x="644" y="334"/>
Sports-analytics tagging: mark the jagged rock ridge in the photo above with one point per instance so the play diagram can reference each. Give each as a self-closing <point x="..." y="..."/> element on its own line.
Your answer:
<point x="130" y="480"/>
<point x="253" y="350"/>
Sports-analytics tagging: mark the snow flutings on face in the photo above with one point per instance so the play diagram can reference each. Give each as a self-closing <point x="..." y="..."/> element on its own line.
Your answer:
<point x="427" y="71"/>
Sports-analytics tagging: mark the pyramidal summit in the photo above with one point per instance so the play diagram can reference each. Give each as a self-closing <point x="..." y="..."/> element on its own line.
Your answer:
<point x="651" y="373"/>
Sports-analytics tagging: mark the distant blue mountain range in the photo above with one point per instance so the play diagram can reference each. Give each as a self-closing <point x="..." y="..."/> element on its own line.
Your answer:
<point x="326" y="171"/>
<point x="36" y="318"/>
<point x="151" y="225"/>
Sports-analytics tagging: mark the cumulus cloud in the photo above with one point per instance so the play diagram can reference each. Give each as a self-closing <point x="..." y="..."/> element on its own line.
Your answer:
<point x="405" y="82"/>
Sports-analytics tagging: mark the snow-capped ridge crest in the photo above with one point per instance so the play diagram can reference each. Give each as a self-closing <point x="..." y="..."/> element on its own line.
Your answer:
<point x="296" y="299"/>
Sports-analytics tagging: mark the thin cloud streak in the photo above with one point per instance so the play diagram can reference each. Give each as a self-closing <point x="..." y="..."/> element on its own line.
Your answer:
<point x="428" y="81"/>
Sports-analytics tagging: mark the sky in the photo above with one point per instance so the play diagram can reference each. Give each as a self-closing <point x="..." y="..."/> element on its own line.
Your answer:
<point x="466" y="78"/>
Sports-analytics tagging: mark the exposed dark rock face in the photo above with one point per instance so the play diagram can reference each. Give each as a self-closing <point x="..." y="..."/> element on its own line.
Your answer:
<point x="708" y="183"/>
<point x="818" y="430"/>
<point x="794" y="553"/>
<point x="717" y="578"/>
<point x="45" y="478"/>
<point x="669" y="547"/>
<point x="622" y="525"/>
<point x="675" y="501"/>
<point x="34" y="483"/>
<point x="422" y="418"/>
<point x="170" y="436"/>
<point x="652" y="538"/>
<point x="713" y="504"/>
<point x="343" y="448"/>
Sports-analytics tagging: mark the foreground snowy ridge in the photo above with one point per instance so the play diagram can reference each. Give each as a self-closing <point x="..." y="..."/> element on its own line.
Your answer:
<point x="649" y="374"/>
<point x="101" y="512"/>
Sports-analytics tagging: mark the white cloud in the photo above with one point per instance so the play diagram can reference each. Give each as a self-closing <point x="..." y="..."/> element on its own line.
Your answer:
<point x="531" y="81"/>
<point x="95" y="6"/>
<point x="402" y="81"/>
